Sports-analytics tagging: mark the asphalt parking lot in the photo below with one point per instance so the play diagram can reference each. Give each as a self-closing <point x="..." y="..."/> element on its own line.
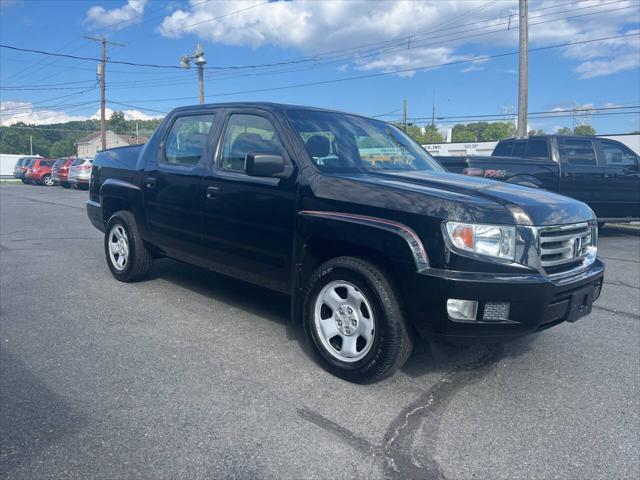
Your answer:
<point x="194" y="375"/>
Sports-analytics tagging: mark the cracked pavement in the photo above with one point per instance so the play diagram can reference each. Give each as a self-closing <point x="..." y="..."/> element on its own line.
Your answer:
<point x="195" y="375"/>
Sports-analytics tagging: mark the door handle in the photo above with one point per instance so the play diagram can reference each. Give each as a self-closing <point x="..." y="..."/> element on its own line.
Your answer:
<point x="150" y="183"/>
<point x="212" y="192"/>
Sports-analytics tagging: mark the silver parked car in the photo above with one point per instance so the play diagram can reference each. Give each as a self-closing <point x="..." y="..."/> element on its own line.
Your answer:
<point x="80" y="173"/>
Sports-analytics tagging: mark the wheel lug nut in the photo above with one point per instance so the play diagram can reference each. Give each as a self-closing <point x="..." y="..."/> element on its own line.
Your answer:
<point x="339" y="323"/>
<point x="354" y="323"/>
<point x="347" y="330"/>
<point x="350" y="310"/>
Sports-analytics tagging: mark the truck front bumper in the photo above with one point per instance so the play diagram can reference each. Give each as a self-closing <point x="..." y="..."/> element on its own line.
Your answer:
<point x="533" y="302"/>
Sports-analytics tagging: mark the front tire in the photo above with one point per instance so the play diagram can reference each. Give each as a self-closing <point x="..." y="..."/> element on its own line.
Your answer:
<point x="354" y="319"/>
<point x="126" y="254"/>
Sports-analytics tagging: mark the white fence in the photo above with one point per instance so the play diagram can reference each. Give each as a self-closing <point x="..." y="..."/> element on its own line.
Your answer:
<point x="7" y="162"/>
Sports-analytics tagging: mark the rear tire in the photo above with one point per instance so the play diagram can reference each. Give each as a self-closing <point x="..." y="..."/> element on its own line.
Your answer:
<point x="355" y="321"/>
<point x="47" y="181"/>
<point x="126" y="254"/>
<point x="65" y="185"/>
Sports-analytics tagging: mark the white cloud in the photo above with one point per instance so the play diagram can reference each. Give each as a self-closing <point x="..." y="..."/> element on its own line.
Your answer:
<point x="129" y="14"/>
<point x="128" y="115"/>
<point x="12" y="112"/>
<point x="314" y="27"/>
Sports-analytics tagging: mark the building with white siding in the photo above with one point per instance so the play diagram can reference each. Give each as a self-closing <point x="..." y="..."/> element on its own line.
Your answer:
<point x="91" y="144"/>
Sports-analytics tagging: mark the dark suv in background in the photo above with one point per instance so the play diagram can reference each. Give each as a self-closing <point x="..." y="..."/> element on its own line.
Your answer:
<point x="603" y="173"/>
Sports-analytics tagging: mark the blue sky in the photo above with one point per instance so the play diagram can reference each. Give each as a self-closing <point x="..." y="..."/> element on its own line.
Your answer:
<point x="325" y="40"/>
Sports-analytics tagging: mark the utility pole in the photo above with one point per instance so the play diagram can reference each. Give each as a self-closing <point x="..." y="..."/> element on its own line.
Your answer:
<point x="433" y="110"/>
<point x="404" y="115"/>
<point x="198" y="58"/>
<point x="102" y="71"/>
<point x="523" y="72"/>
<point x="31" y="144"/>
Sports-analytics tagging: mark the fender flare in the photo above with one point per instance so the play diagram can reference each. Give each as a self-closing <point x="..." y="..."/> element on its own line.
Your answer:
<point x="416" y="247"/>
<point x="313" y="218"/>
<point x="121" y="190"/>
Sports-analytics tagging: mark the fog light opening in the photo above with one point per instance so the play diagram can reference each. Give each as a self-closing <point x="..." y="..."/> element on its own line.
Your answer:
<point x="495" y="312"/>
<point x="465" y="310"/>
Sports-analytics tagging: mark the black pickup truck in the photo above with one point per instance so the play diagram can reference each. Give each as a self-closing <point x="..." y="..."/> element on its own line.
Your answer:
<point x="373" y="241"/>
<point x="603" y="173"/>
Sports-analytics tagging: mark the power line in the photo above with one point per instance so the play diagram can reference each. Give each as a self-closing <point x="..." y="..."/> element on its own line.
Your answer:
<point x="501" y="115"/>
<point x="236" y="67"/>
<point x="543" y="117"/>
<point x="594" y="109"/>
<point x="139" y="108"/>
<point x="381" y="55"/>
<point x="395" y="72"/>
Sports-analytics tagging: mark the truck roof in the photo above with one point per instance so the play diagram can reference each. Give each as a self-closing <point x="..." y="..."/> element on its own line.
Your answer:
<point x="272" y="106"/>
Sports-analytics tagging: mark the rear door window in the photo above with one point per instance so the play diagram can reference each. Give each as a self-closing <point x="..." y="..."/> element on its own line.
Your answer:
<point x="519" y="148"/>
<point x="537" y="149"/>
<point x="577" y="152"/>
<point x="187" y="139"/>
<point x="503" y="149"/>
<point x="615" y="155"/>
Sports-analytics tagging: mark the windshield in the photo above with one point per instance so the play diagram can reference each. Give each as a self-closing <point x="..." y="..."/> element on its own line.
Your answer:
<point x="338" y="142"/>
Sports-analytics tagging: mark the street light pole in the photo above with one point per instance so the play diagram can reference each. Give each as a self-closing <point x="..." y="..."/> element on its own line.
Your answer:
<point x="198" y="57"/>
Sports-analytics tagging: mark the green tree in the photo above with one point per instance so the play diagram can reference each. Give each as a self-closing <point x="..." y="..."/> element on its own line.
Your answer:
<point x="564" y="131"/>
<point x="431" y="135"/>
<point x="584" y="130"/>
<point x="63" y="148"/>
<point x="461" y="133"/>
<point x="117" y="123"/>
<point x="497" y="131"/>
<point x="536" y="132"/>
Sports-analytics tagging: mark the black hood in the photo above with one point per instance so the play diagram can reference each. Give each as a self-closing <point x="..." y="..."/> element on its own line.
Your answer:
<point x="464" y="198"/>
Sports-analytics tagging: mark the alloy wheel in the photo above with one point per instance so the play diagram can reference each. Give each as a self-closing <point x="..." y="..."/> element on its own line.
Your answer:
<point x="118" y="247"/>
<point x="344" y="321"/>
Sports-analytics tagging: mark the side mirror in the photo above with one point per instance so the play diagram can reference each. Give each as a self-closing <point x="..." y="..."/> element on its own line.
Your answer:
<point x="266" y="165"/>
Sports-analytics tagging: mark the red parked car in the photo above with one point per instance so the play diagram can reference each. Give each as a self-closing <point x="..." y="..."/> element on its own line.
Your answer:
<point x="60" y="171"/>
<point x="39" y="171"/>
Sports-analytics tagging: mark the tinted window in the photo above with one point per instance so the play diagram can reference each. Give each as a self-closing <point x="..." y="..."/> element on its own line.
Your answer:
<point x="577" y="152"/>
<point x="519" y="148"/>
<point x="187" y="139"/>
<point x="617" y="155"/>
<point x="244" y="134"/>
<point x="78" y="161"/>
<point x="537" y="149"/>
<point x="341" y="142"/>
<point x="503" y="149"/>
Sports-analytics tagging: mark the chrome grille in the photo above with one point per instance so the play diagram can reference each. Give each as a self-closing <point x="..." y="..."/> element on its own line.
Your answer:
<point x="564" y="246"/>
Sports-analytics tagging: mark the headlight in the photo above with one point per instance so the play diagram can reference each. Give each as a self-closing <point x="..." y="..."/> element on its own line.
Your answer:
<point x="496" y="241"/>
